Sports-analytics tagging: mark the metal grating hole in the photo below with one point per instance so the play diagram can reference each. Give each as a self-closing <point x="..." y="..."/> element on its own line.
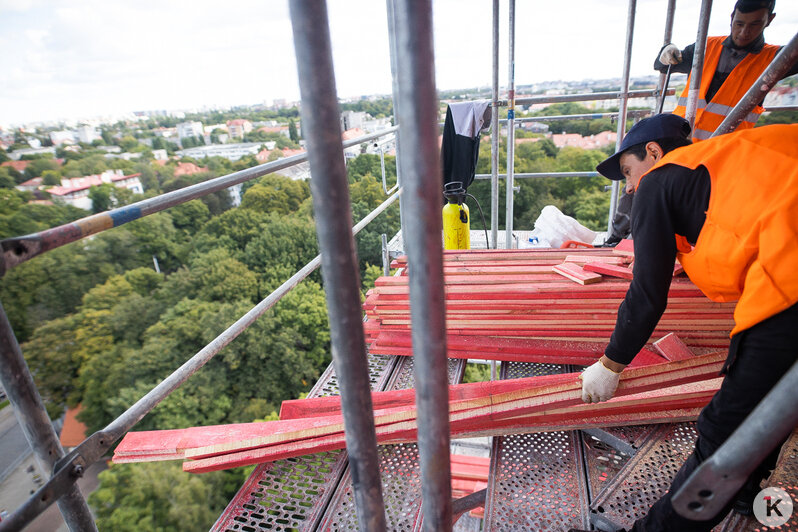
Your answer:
<point x="537" y="480"/>
<point x="290" y="494"/>
<point x="399" y="469"/>
<point x="646" y="477"/>
<point x="603" y="460"/>
<point x="377" y="366"/>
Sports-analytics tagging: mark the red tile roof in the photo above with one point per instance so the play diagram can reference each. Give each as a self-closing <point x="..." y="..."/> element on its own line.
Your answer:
<point x="188" y="169"/>
<point x="74" y="432"/>
<point x="19" y="166"/>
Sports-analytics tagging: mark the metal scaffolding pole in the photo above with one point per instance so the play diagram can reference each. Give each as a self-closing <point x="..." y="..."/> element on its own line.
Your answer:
<point x="32" y="417"/>
<point x="331" y="206"/>
<point x="710" y="487"/>
<point x="698" y="62"/>
<point x="418" y="106"/>
<point x="508" y="222"/>
<point x="496" y="130"/>
<point x="624" y="101"/>
<point x="391" y="10"/>
<point x="772" y="74"/>
<point x="494" y="136"/>
<point x="666" y="39"/>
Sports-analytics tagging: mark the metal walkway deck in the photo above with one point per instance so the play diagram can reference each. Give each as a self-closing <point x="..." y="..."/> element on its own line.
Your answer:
<point x="539" y="481"/>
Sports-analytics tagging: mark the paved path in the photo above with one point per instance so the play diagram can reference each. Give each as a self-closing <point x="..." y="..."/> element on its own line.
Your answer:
<point x="13" y="445"/>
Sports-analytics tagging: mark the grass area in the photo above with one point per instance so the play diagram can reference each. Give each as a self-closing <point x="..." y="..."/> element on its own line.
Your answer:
<point x="3" y="404"/>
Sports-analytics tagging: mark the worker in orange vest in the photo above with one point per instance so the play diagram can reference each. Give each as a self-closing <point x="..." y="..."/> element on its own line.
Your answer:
<point x="733" y="203"/>
<point x="731" y="65"/>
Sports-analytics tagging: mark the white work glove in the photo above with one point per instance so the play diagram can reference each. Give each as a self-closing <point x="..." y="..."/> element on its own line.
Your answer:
<point x="598" y="383"/>
<point x="670" y="55"/>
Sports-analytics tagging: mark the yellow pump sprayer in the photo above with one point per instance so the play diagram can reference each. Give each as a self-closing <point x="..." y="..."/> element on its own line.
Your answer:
<point x="456" y="218"/>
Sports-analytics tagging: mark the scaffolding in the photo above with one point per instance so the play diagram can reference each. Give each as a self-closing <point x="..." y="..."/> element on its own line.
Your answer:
<point x="355" y="372"/>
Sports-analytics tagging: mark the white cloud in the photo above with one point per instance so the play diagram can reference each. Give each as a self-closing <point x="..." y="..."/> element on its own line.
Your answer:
<point x="91" y="57"/>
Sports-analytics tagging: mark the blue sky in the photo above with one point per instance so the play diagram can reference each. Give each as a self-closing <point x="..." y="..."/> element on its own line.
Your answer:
<point x="87" y="58"/>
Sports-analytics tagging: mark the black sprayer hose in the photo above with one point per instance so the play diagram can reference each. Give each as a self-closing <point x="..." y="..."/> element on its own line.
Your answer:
<point x="484" y="225"/>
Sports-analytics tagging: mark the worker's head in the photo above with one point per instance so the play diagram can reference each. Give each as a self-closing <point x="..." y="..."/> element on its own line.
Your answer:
<point x="645" y="144"/>
<point x="749" y="19"/>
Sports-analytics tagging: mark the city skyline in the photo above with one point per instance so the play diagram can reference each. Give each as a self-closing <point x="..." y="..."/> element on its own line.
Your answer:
<point x="91" y="58"/>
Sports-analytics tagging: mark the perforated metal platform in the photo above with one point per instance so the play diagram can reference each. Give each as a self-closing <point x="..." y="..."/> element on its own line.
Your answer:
<point x="537" y="480"/>
<point x="399" y="469"/>
<point x="541" y="481"/>
<point x="292" y="494"/>
<point x="649" y="473"/>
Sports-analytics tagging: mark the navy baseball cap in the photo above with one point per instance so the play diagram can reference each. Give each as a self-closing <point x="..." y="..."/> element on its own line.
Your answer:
<point x="746" y="6"/>
<point x="657" y="127"/>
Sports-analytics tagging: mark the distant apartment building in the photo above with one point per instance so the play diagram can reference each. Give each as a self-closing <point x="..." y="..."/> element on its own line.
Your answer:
<point x="75" y="191"/>
<point x="87" y="134"/>
<point x="599" y="140"/>
<point x="16" y="155"/>
<point x="238" y="128"/>
<point x="62" y="137"/>
<point x="352" y="120"/>
<point x="363" y="121"/>
<point x="352" y="151"/>
<point x="189" y="129"/>
<point x="232" y="152"/>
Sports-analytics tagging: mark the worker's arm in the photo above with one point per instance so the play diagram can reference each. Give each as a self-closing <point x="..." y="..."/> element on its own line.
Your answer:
<point x="671" y="200"/>
<point x="684" y="66"/>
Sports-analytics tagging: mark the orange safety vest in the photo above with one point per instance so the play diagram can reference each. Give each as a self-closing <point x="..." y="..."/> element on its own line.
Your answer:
<point x="748" y="247"/>
<point x="710" y="115"/>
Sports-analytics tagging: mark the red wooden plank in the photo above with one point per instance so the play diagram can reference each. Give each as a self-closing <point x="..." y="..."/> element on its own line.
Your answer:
<point x="625" y="247"/>
<point x="671" y="347"/>
<point x="487" y="409"/>
<point x="609" y="269"/>
<point x="618" y="260"/>
<point x="576" y="273"/>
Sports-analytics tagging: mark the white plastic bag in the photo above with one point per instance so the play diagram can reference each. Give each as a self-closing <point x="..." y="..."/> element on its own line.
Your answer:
<point x="555" y="228"/>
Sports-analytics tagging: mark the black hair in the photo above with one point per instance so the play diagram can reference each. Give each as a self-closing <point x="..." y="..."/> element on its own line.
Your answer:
<point x="667" y="144"/>
<point x="747" y="6"/>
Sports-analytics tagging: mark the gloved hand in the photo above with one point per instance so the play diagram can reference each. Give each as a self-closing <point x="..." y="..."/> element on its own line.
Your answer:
<point x="598" y="383"/>
<point x="670" y="55"/>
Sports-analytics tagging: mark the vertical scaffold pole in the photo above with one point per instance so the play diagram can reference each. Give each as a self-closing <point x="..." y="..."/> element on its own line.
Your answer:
<point x="32" y="417"/>
<point x="508" y="223"/>
<point x="624" y="101"/>
<point x="391" y="10"/>
<point x="666" y="39"/>
<point x="418" y="107"/>
<point x="331" y="206"/>
<point x="494" y="137"/>
<point x="698" y="62"/>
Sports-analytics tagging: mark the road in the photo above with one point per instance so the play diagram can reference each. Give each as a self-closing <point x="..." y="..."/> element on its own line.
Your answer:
<point x="13" y="445"/>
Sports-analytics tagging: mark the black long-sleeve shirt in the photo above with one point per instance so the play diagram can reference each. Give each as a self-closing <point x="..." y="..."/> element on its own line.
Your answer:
<point x="670" y="201"/>
<point x="730" y="57"/>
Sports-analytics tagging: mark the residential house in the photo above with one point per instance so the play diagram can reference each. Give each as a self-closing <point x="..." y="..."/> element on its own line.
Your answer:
<point x="238" y="128"/>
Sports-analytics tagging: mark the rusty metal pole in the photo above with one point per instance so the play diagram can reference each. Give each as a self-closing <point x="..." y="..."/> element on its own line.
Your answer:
<point x="420" y="161"/>
<point x="698" y="62"/>
<point x="35" y="423"/>
<point x="331" y="206"/>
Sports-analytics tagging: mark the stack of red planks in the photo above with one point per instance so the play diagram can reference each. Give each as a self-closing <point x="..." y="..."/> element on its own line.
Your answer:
<point x="672" y="391"/>
<point x="509" y="305"/>
<point x="469" y="475"/>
